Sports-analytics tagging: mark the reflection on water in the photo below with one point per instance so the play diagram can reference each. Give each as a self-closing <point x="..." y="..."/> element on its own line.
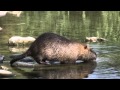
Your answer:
<point x="77" y="71"/>
<point x="18" y="49"/>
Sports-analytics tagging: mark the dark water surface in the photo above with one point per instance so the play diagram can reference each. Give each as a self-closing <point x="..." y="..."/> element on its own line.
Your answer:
<point x="73" y="25"/>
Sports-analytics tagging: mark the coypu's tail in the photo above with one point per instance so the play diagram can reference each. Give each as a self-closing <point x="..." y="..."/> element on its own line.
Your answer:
<point x="17" y="58"/>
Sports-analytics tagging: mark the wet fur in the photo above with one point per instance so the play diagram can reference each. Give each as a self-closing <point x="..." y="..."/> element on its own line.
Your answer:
<point x="50" y="46"/>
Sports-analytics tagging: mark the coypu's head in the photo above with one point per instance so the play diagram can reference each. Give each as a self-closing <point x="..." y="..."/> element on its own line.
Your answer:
<point x="86" y="53"/>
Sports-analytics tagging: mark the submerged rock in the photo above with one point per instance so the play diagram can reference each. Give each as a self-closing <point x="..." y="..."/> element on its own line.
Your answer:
<point x="2" y="58"/>
<point x="95" y="39"/>
<point x="17" y="49"/>
<point x="4" y="68"/>
<point x="5" y="73"/>
<point x="26" y="59"/>
<point x="14" y="55"/>
<point x="1" y="28"/>
<point x="18" y="40"/>
<point x="14" y="13"/>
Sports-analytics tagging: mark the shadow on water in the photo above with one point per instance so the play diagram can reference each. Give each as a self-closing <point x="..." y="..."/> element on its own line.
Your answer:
<point x="76" y="71"/>
<point x="15" y="49"/>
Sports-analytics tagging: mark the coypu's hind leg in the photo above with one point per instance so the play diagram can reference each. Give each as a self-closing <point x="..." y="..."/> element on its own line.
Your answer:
<point x="62" y="62"/>
<point x="40" y="60"/>
<point x="68" y="62"/>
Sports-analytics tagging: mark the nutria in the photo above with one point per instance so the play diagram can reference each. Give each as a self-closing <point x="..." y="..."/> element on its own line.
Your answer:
<point x="14" y="13"/>
<point x="50" y="46"/>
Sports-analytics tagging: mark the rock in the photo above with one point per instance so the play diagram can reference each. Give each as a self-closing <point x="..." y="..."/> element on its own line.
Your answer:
<point x="13" y="55"/>
<point x="14" y="13"/>
<point x="5" y="73"/>
<point x="95" y="39"/>
<point x="4" y="67"/>
<point x="3" y="13"/>
<point x="2" y="58"/>
<point x="24" y="64"/>
<point x="16" y="49"/>
<point x="18" y="40"/>
<point x="26" y="59"/>
<point x="1" y="28"/>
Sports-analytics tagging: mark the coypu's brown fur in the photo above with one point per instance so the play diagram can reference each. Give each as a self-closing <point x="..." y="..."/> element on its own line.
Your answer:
<point x="50" y="46"/>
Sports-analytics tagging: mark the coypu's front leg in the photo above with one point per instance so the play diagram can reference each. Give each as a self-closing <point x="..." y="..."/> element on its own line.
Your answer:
<point x="38" y="59"/>
<point x="41" y="60"/>
<point x="68" y="62"/>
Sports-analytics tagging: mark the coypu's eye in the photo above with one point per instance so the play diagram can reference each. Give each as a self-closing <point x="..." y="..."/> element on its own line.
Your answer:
<point x="85" y="47"/>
